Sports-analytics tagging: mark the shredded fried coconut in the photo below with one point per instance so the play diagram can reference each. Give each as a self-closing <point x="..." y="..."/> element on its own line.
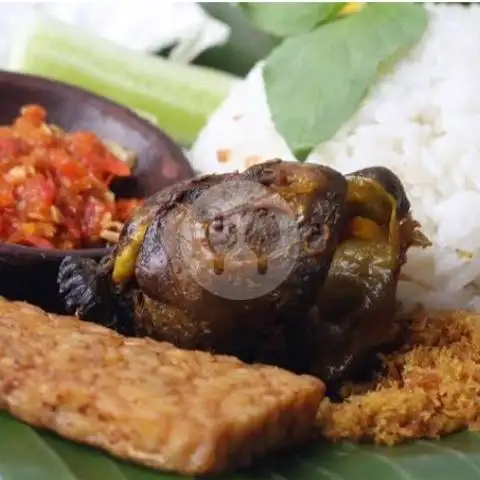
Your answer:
<point x="431" y="386"/>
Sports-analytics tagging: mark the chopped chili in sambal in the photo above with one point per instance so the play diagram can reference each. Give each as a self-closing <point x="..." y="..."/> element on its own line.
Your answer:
<point x="55" y="186"/>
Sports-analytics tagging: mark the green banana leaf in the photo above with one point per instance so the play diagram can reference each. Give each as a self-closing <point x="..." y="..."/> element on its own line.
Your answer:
<point x="29" y="454"/>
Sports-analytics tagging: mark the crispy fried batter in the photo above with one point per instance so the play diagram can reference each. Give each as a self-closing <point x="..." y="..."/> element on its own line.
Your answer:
<point x="431" y="388"/>
<point x="149" y="402"/>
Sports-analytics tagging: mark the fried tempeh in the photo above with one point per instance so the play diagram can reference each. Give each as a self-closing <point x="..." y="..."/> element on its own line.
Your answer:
<point x="149" y="402"/>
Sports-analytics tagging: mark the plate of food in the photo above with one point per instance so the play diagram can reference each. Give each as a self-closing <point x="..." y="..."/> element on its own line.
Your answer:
<point x="307" y="306"/>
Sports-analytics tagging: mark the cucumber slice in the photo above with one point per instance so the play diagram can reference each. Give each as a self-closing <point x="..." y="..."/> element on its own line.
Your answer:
<point x="179" y="98"/>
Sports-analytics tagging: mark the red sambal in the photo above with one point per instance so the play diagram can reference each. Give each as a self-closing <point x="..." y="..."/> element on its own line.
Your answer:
<point x="55" y="186"/>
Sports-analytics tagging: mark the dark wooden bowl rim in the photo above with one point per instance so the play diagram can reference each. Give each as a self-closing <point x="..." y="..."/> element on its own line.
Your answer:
<point x="110" y="109"/>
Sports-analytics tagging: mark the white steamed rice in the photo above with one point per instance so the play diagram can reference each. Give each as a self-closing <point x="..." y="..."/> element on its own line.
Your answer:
<point x="422" y="121"/>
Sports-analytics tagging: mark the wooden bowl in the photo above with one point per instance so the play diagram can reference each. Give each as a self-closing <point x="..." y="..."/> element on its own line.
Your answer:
<point x="28" y="273"/>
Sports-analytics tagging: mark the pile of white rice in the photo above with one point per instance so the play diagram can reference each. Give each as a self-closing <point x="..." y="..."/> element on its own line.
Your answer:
<point x="423" y="122"/>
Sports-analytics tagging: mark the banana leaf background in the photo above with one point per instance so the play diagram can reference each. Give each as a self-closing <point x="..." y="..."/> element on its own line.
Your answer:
<point x="30" y="454"/>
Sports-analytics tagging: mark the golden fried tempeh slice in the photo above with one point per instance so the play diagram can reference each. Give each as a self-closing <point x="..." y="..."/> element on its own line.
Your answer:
<point x="149" y="402"/>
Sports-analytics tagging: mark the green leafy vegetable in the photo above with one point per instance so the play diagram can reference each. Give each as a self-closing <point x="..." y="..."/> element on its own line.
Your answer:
<point x="286" y="19"/>
<point x="28" y="454"/>
<point x="246" y="44"/>
<point x="316" y="81"/>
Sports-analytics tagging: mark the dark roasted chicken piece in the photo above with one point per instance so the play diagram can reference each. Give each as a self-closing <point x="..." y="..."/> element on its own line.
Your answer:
<point x="286" y="263"/>
<point x="225" y="263"/>
<point x="354" y="317"/>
